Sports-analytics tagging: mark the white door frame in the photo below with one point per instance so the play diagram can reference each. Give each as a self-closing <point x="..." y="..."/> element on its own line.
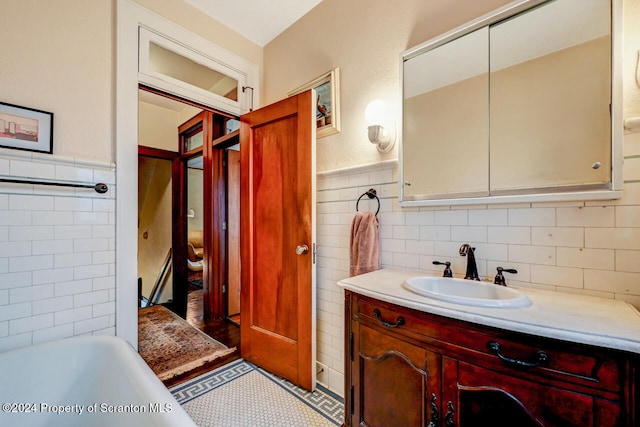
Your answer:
<point x="130" y="17"/>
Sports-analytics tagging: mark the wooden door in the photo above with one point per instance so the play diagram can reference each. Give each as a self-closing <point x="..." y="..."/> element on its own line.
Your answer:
<point x="277" y="162"/>
<point x="233" y="232"/>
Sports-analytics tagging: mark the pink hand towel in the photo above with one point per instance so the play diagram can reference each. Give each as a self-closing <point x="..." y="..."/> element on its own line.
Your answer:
<point x="364" y="244"/>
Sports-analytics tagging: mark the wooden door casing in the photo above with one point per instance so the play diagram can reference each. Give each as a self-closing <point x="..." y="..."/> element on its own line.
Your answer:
<point x="233" y="232"/>
<point x="277" y="146"/>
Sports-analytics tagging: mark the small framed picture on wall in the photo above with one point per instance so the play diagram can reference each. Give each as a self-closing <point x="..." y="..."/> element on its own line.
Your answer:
<point x="328" y="102"/>
<point x="25" y="128"/>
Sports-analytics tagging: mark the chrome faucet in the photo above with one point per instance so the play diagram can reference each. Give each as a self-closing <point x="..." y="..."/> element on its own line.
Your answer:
<point x="472" y="268"/>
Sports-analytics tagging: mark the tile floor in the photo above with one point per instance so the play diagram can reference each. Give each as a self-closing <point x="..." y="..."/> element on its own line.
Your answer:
<point x="241" y="394"/>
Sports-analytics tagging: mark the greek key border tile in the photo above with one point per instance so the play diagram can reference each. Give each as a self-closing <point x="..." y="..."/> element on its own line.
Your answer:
<point x="326" y="403"/>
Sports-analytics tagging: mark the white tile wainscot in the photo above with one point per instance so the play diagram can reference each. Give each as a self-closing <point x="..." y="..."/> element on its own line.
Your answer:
<point x="588" y="248"/>
<point x="57" y="250"/>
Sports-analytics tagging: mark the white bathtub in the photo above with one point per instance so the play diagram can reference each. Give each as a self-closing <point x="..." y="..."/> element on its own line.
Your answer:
<point x="84" y="381"/>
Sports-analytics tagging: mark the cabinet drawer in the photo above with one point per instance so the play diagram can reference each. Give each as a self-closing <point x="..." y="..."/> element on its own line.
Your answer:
<point x="533" y="356"/>
<point x="520" y="354"/>
<point x="395" y="320"/>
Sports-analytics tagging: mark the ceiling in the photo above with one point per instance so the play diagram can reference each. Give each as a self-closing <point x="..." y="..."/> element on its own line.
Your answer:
<point x="258" y="20"/>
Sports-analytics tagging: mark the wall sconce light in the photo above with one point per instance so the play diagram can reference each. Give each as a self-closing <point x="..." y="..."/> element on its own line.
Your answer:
<point x="381" y="129"/>
<point x="632" y="124"/>
<point x="191" y="213"/>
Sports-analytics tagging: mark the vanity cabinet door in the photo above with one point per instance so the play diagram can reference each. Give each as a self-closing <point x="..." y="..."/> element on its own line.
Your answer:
<point x="481" y="397"/>
<point x="390" y="380"/>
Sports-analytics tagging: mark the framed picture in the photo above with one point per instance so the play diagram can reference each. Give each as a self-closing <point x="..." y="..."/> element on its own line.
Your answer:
<point x="24" y="128"/>
<point x="327" y="88"/>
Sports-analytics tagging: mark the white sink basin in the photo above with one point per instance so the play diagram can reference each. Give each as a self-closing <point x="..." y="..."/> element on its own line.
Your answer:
<point x="467" y="292"/>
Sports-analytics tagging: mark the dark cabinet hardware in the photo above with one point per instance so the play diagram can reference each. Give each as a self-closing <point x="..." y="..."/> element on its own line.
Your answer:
<point x="540" y="357"/>
<point x="447" y="269"/>
<point x="371" y="194"/>
<point x="499" y="279"/>
<point x="448" y="418"/>
<point x="399" y="321"/>
<point x="434" y="411"/>
<point x="472" y="267"/>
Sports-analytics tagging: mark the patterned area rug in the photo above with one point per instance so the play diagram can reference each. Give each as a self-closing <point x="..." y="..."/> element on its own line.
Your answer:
<point x="171" y="346"/>
<point x="240" y="394"/>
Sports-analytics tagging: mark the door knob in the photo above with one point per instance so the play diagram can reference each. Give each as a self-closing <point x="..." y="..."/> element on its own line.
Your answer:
<point x="302" y="249"/>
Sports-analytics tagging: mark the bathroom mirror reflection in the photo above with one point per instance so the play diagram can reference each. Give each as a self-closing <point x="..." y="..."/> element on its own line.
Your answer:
<point x="446" y="105"/>
<point x="517" y="103"/>
<point x="550" y="96"/>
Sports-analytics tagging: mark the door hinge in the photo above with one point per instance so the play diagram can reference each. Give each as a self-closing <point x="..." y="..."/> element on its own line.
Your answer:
<point x="224" y="225"/>
<point x="224" y="289"/>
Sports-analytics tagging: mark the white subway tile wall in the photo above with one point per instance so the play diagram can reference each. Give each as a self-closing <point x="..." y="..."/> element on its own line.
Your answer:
<point x="57" y="251"/>
<point x="57" y="247"/>
<point x="591" y="248"/>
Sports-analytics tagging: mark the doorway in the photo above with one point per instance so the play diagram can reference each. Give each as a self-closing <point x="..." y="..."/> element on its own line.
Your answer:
<point x="190" y="144"/>
<point x="155" y="275"/>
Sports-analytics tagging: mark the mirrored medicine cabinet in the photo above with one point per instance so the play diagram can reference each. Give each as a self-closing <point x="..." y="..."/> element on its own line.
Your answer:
<point x="520" y="105"/>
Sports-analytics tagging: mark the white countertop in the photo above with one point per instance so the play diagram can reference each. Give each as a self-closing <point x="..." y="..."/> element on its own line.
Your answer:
<point x="570" y="317"/>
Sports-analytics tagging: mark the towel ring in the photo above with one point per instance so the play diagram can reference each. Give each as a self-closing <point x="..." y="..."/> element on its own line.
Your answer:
<point x="371" y="194"/>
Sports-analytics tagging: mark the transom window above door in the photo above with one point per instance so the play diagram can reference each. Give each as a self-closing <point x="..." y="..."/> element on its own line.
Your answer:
<point x="174" y="68"/>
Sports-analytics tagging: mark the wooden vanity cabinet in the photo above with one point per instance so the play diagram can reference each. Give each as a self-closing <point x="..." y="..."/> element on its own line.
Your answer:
<point x="409" y="368"/>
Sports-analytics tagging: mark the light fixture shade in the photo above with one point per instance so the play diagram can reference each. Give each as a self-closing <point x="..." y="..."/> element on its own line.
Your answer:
<point x="376" y="113"/>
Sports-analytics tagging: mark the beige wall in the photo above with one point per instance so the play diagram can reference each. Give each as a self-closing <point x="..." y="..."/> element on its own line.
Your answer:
<point x="562" y="112"/>
<point x="195" y="198"/>
<point x="364" y="39"/>
<point x="59" y="56"/>
<point x="457" y="112"/>
<point x="631" y="80"/>
<point x="158" y="126"/>
<point x="188" y="17"/>
<point x="154" y="222"/>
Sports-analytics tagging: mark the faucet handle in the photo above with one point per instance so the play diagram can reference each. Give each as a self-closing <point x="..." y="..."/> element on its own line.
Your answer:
<point x="447" y="269"/>
<point x="499" y="279"/>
